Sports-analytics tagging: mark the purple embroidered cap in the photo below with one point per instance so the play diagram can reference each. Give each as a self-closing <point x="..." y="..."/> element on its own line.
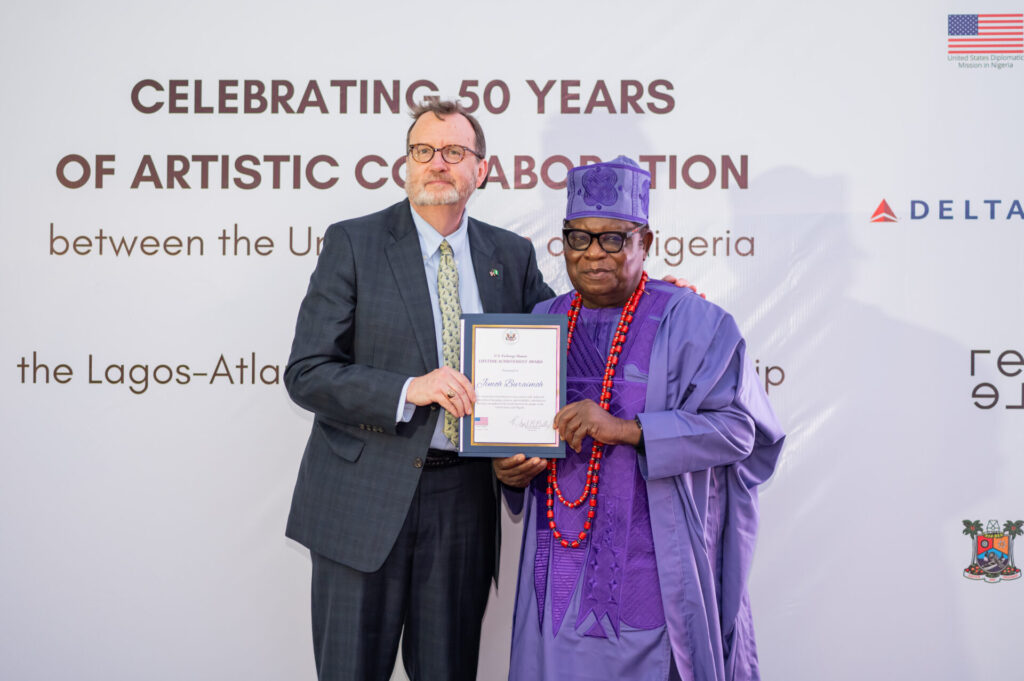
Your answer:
<point x="615" y="189"/>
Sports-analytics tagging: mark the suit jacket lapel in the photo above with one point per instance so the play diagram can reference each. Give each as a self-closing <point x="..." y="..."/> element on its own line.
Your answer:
<point x="488" y="269"/>
<point x="406" y="261"/>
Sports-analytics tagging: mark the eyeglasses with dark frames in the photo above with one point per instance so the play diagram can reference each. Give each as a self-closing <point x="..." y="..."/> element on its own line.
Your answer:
<point x="610" y="242"/>
<point x="451" y="153"/>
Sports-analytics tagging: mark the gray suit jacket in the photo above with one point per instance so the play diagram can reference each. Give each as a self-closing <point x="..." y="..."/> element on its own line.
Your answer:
<point x="364" y="327"/>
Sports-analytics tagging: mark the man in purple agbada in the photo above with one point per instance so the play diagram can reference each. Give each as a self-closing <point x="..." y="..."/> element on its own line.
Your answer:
<point x="644" y="578"/>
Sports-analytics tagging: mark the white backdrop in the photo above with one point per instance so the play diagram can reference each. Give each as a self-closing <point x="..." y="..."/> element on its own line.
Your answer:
<point x="142" y="509"/>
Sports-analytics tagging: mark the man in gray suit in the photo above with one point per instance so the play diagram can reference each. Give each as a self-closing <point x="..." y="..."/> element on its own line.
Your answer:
<point x="403" y="534"/>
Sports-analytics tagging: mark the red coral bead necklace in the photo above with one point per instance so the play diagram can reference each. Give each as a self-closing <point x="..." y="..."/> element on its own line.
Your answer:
<point x="594" y="467"/>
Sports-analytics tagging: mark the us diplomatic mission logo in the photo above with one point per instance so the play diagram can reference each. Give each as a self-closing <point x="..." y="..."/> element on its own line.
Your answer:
<point x="992" y="550"/>
<point x="985" y="41"/>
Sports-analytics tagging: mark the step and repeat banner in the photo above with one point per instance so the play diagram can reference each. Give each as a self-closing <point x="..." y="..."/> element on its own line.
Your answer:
<point x="845" y="180"/>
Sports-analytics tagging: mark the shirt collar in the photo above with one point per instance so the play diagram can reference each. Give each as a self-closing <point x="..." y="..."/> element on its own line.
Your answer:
<point x="430" y="238"/>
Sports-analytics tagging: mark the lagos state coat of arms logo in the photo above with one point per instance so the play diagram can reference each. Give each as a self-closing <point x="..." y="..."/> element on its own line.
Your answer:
<point x="992" y="550"/>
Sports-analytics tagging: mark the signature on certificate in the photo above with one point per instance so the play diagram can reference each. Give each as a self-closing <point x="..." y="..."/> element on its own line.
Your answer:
<point x="530" y="424"/>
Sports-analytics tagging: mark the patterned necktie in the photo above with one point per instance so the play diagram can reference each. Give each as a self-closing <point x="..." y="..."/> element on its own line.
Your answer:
<point x="448" y="298"/>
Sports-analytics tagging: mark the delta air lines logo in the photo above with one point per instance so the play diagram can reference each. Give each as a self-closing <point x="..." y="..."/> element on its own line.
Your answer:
<point x="966" y="210"/>
<point x="883" y="213"/>
<point x="992" y="550"/>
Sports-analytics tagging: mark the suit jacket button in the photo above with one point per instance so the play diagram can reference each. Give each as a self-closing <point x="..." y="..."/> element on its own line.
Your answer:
<point x="433" y="407"/>
<point x="417" y="462"/>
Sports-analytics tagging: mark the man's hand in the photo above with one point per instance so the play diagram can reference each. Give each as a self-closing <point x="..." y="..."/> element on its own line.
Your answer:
<point x="682" y="283"/>
<point x="577" y="420"/>
<point x="518" y="471"/>
<point x="445" y="386"/>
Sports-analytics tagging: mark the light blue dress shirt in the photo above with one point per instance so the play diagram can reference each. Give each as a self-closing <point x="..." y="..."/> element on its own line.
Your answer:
<point x="469" y="298"/>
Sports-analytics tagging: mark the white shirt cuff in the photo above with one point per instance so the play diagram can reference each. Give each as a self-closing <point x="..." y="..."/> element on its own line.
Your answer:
<point x="405" y="409"/>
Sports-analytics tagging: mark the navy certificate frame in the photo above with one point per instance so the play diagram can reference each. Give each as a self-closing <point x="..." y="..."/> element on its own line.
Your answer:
<point x="516" y="363"/>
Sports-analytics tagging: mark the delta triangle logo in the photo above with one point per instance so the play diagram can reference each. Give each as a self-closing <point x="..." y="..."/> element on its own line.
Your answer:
<point x="883" y="213"/>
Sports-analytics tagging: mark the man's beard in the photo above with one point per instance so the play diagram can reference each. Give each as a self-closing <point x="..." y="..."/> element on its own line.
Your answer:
<point x="420" y="195"/>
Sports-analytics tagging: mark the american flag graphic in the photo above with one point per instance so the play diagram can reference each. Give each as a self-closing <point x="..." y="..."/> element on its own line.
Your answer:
<point x="986" y="34"/>
<point x="480" y="420"/>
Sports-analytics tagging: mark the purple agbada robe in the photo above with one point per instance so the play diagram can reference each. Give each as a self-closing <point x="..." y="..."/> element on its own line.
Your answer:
<point x="710" y="438"/>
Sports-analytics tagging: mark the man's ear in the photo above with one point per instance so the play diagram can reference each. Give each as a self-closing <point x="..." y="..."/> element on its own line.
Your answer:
<point x="481" y="174"/>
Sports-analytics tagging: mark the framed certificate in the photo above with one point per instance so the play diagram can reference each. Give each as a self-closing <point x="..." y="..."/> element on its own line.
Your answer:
<point x="516" y="363"/>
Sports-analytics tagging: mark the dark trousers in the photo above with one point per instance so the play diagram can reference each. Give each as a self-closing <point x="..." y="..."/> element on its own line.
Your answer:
<point x="434" y="584"/>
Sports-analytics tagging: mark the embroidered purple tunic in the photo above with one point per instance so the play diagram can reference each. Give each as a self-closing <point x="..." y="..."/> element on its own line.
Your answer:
<point x="658" y="590"/>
